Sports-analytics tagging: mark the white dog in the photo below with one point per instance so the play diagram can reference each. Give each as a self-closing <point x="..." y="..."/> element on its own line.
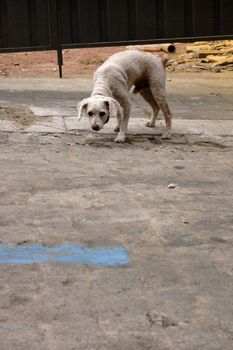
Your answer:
<point x="112" y="82"/>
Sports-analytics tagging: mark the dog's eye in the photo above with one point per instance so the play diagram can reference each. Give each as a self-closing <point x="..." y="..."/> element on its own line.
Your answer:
<point x="90" y="114"/>
<point x="102" y="114"/>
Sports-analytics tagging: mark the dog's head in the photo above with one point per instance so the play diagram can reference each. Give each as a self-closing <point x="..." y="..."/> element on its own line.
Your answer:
<point x="98" y="109"/>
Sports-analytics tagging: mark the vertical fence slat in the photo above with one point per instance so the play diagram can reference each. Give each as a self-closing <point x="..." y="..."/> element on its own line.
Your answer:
<point x="175" y="18"/>
<point x="4" y="37"/>
<point x="146" y="19"/>
<point x="226" y="17"/>
<point x="203" y="17"/>
<point x="18" y="23"/>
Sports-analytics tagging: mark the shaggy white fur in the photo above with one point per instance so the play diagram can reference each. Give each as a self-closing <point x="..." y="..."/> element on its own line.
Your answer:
<point x="112" y="82"/>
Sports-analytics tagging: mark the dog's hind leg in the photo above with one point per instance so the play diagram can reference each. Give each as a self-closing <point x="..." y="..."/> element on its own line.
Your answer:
<point x="160" y="98"/>
<point x="168" y="118"/>
<point x="149" y="98"/>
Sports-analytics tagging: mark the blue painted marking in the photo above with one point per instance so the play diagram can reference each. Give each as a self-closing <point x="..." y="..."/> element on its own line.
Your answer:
<point x="65" y="253"/>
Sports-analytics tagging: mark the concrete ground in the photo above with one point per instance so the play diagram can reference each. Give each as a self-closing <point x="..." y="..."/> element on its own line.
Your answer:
<point x="62" y="183"/>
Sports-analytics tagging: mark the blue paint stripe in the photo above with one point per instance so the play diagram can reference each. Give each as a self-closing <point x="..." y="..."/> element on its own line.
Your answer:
<point x="65" y="253"/>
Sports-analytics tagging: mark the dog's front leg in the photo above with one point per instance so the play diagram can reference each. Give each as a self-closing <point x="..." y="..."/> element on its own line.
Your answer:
<point x="123" y="128"/>
<point x="123" y="118"/>
<point x="117" y="128"/>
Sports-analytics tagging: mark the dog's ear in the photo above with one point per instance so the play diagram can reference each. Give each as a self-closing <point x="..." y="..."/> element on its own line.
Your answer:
<point x="80" y="107"/>
<point x="113" y="106"/>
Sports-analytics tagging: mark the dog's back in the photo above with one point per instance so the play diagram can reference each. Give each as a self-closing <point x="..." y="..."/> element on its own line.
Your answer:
<point x="132" y="65"/>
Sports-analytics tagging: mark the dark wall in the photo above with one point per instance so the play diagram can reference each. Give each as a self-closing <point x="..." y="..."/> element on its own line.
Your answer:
<point x="44" y="24"/>
<point x="24" y="23"/>
<point x="87" y="21"/>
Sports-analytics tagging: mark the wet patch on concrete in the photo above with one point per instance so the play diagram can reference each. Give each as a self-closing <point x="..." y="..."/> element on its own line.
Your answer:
<point x="21" y="115"/>
<point x="155" y="319"/>
<point x="65" y="253"/>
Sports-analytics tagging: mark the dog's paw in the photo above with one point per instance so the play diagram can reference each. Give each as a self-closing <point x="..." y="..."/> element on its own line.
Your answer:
<point x="166" y="136"/>
<point x="120" y="139"/>
<point x="117" y="129"/>
<point x="150" y="124"/>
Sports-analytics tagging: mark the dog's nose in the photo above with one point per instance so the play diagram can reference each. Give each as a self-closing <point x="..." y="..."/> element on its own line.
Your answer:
<point x="95" y="127"/>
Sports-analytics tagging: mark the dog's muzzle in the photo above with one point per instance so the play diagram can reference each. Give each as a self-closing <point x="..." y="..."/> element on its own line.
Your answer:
<point x="96" y="127"/>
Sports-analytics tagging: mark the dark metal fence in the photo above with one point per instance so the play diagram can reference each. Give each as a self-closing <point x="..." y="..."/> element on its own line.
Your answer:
<point x="56" y="24"/>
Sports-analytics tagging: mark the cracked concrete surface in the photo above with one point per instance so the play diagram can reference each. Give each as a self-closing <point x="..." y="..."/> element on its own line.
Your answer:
<point x="62" y="183"/>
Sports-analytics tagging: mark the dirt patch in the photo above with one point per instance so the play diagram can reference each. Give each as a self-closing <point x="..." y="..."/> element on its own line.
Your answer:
<point x="76" y="61"/>
<point x="86" y="60"/>
<point x="21" y="115"/>
<point x="143" y="142"/>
